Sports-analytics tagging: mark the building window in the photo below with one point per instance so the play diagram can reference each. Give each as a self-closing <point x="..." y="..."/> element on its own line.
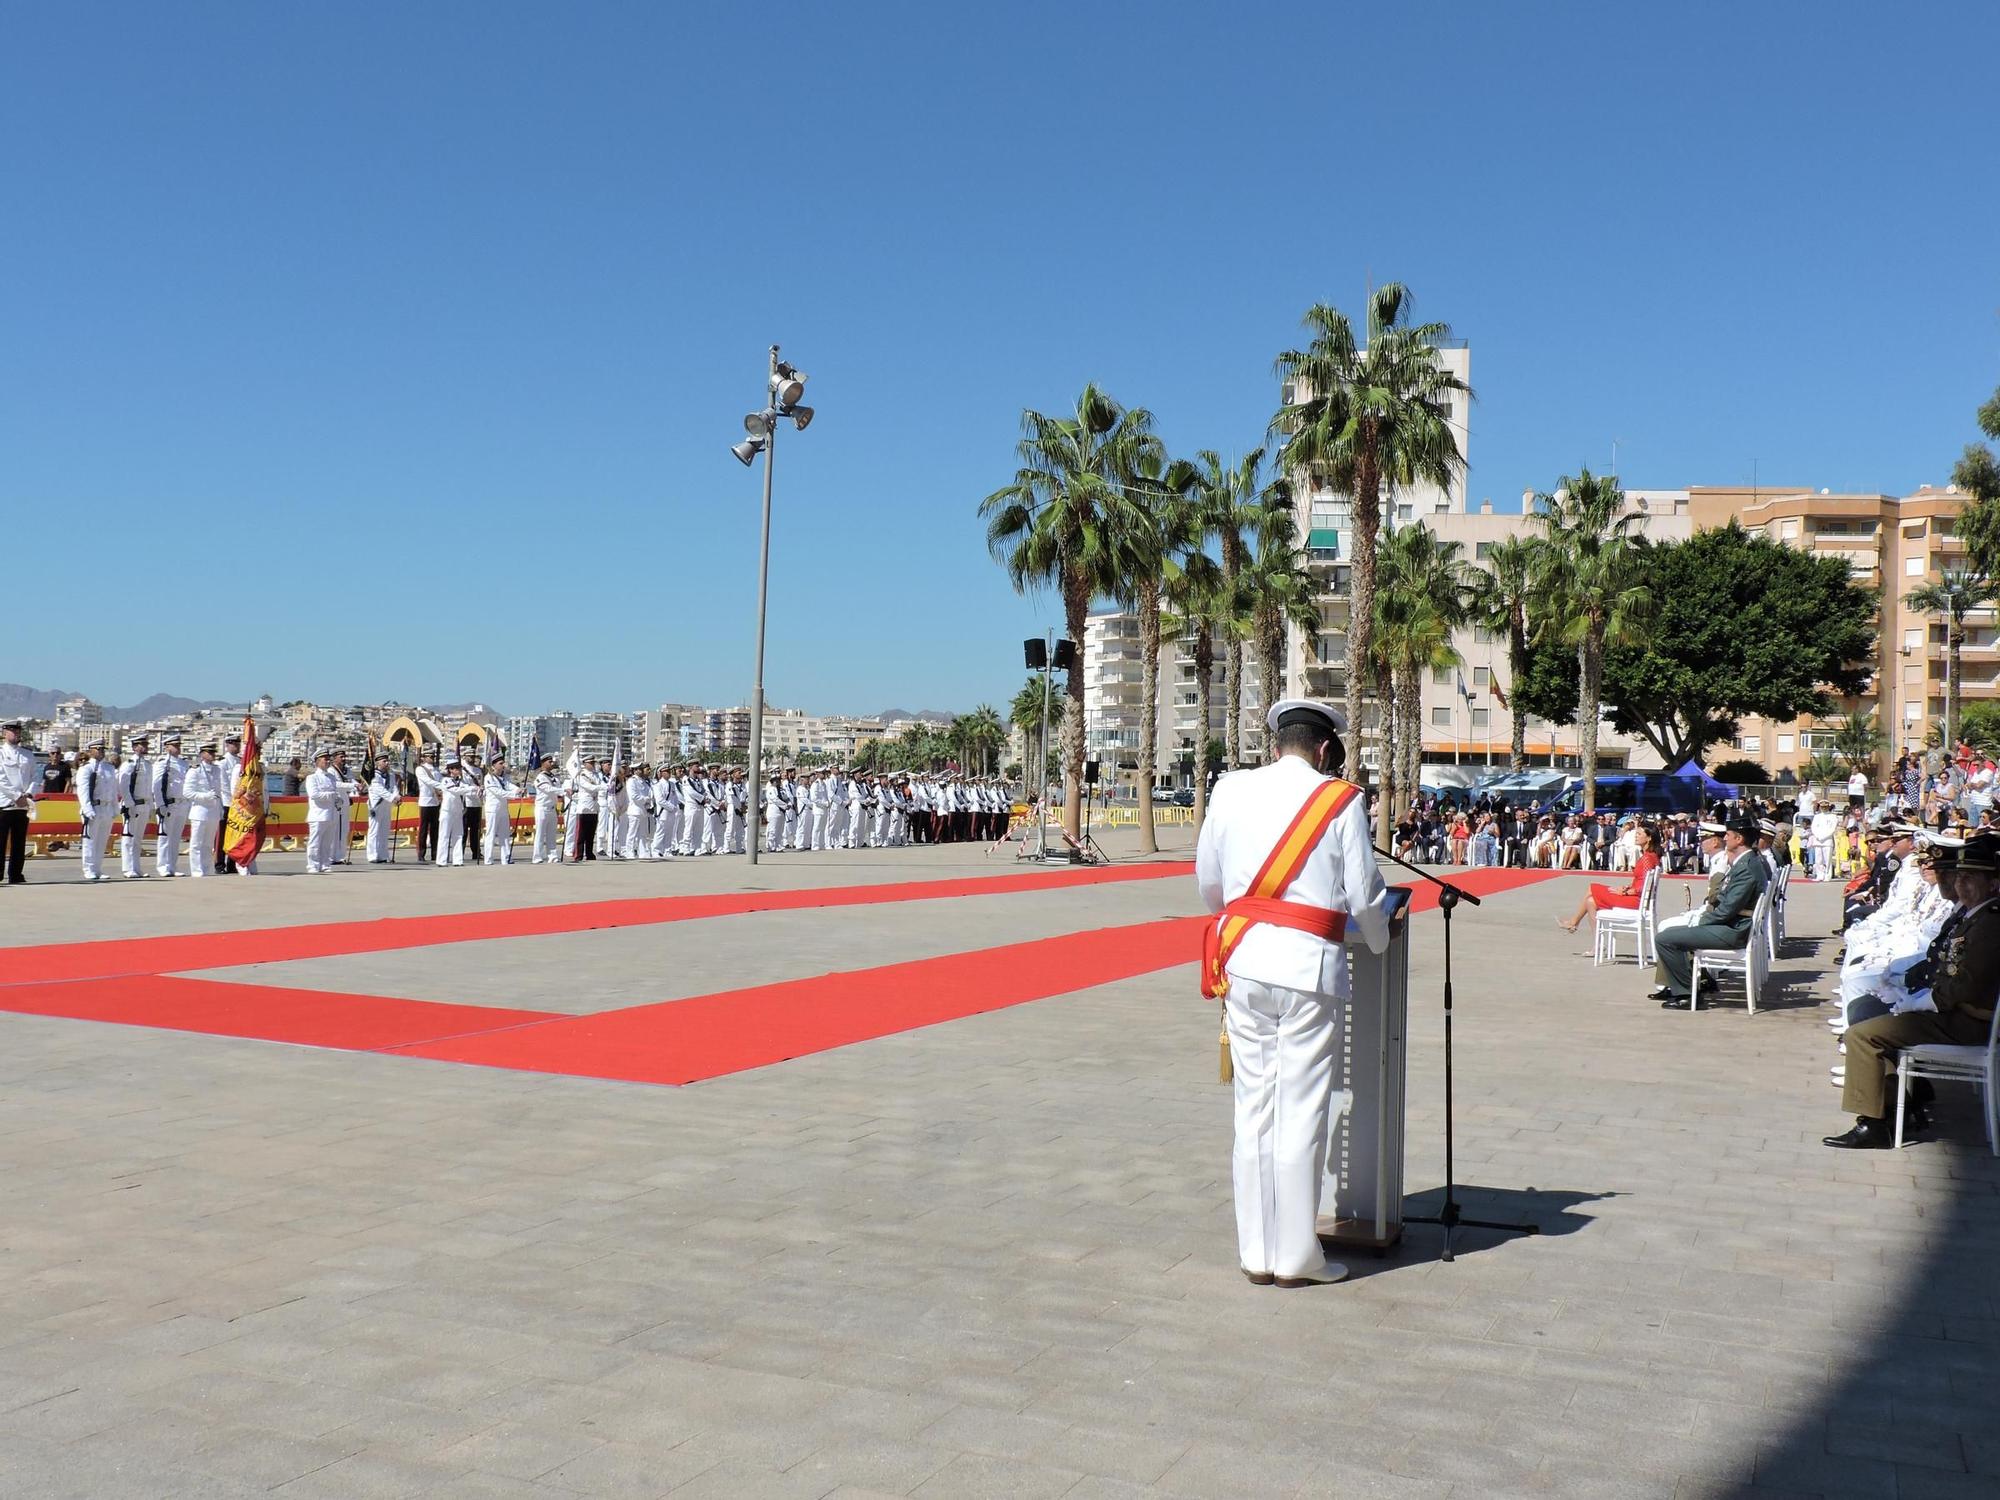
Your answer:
<point x="1912" y="712"/>
<point x="1785" y="744"/>
<point x="1788" y="531"/>
<point x="1482" y="676"/>
<point x="1441" y="718"/>
<point x="1913" y="567"/>
<point x="1441" y="676"/>
<point x="1482" y="550"/>
<point x="1405" y="512"/>
<point x="1482" y="635"/>
<point x="1480" y="718"/>
<point x="1751" y="743"/>
<point x="1913" y="639"/>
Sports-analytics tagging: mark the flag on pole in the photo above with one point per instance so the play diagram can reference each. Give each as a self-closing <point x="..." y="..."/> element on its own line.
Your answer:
<point x="1494" y="689"/>
<point x="1464" y="691"/>
<point x="243" y="832"/>
<point x="534" y="752"/>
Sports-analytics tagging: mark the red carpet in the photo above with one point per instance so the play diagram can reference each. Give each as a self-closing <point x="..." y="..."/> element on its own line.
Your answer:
<point x="218" y="950"/>
<point x="676" y="1041"/>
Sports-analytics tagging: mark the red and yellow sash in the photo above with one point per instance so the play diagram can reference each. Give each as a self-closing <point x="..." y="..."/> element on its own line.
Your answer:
<point x="1261" y="904"/>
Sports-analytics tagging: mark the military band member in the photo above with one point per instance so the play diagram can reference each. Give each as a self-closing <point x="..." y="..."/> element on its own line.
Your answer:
<point x="430" y="804"/>
<point x="135" y="806"/>
<point x="586" y="792"/>
<point x="207" y="791"/>
<point x="455" y="797"/>
<point x="384" y="792"/>
<point x="472" y="773"/>
<point x="1285" y="862"/>
<point x="496" y="792"/>
<point x="548" y="810"/>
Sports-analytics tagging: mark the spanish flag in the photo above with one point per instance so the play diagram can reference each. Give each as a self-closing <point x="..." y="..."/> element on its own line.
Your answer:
<point x="243" y="833"/>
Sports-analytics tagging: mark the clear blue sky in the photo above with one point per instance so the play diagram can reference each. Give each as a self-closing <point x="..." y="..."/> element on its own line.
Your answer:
<point x="436" y="320"/>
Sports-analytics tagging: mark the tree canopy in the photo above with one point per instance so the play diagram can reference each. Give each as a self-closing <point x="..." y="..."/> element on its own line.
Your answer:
<point x="1741" y="625"/>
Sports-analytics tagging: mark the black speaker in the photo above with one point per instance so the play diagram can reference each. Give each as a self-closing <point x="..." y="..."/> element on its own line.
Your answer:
<point x="1037" y="652"/>
<point x="1090" y="772"/>
<point x="1065" y="656"/>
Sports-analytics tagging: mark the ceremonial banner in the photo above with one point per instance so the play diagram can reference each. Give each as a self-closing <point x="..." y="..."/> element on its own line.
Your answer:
<point x="243" y="833"/>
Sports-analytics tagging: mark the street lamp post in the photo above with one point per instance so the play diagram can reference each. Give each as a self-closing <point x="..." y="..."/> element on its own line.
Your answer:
<point x="786" y="386"/>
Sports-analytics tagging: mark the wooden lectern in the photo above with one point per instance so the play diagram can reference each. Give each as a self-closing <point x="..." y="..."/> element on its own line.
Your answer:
<point x="1361" y="1200"/>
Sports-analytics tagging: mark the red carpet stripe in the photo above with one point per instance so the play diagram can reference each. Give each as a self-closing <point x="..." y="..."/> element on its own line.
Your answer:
<point x="215" y="950"/>
<point x="315" y="1018"/>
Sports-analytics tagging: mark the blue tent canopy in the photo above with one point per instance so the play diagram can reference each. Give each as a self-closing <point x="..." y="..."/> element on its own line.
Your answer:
<point x="1711" y="788"/>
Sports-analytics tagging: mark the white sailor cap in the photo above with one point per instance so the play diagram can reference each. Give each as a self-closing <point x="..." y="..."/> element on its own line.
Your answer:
<point x="1327" y="711"/>
<point x="1713" y="830"/>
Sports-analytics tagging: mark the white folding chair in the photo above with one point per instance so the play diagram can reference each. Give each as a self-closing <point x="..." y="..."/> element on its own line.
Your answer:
<point x="1752" y="960"/>
<point x="1946" y="1063"/>
<point x="1638" y="921"/>
<point x="1775" y="928"/>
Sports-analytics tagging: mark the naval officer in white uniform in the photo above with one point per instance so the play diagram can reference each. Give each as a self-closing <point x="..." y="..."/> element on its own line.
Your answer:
<point x="1287" y="987"/>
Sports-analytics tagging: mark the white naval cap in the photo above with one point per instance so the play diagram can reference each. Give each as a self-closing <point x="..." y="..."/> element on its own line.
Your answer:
<point x="1326" y="711"/>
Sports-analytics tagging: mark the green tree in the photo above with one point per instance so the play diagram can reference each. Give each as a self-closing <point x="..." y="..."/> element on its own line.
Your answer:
<point x="1025" y="714"/>
<point x="1740" y="625"/>
<point x="1505" y="600"/>
<point x="1549" y="689"/>
<point x="1279" y="589"/>
<point x="1197" y="597"/>
<point x="1065" y="522"/>
<point x="1858" y="743"/>
<point x="980" y="737"/>
<point x="1821" y="768"/>
<point x="1424" y="592"/>
<point x="1978" y="475"/>
<point x="1739" y="773"/>
<point x="1590" y="578"/>
<point x="1227" y="498"/>
<point x="1954" y="596"/>
<point x="1363" y="419"/>
<point x="1163" y="491"/>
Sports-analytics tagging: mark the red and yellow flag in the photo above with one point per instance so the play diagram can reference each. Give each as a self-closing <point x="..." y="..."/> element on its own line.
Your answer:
<point x="243" y="833"/>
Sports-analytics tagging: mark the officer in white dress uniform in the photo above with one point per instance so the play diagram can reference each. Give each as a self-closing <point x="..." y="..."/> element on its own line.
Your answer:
<point x="694" y="807"/>
<point x="384" y="792"/>
<point x="430" y="805"/>
<point x="586" y="791"/>
<point x="231" y="761"/>
<point x="496" y="791"/>
<point x="1287" y="988"/>
<point x="326" y="813"/>
<point x="207" y="799"/>
<point x="639" y="814"/>
<point x="666" y="811"/>
<point x="548" y="808"/>
<point x="170" y="799"/>
<point x="97" y="806"/>
<point x="454" y="793"/>
<point x="354" y="788"/>
<point x="135" y="806"/>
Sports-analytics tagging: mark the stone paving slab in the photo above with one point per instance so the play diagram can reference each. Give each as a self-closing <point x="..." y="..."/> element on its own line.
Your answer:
<point x="989" y="1257"/>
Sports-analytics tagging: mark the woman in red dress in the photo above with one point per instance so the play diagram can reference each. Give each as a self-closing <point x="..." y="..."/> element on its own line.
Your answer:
<point x="1602" y="896"/>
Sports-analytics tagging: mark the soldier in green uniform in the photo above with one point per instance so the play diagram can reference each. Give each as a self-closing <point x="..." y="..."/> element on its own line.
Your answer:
<point x="1964" y="986"/>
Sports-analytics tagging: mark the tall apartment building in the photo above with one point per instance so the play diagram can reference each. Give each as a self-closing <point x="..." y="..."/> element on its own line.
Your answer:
<point x="726" y="729"/>
<point x="606" y="734"/>
<point x="1893" y="544"/>
<point x="1113" y="696"/>
<point x="525" y="732"/>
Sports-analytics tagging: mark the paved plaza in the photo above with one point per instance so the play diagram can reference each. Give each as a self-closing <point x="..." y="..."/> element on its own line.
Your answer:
<point x="457" y="1251"/>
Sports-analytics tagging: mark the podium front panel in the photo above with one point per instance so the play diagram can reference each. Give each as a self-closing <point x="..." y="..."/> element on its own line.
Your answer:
<point x="1361" y="1200"/>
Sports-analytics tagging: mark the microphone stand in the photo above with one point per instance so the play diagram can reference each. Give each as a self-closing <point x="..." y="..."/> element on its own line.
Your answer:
<point x="1449" y="1218"/>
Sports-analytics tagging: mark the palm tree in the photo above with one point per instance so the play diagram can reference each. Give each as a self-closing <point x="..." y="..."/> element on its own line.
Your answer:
<point x="979" y="737"/>
<point x="1954" y="596"/>
<point x="1362" y="418"/>
<point x="1858" y="742"/>
<point x="1589" y="552"/>
<point x="1198" y="600"/>
<point x="1162" y="491"/>
<point x="1278" y="588"/>
<point x="1025" y="714"/>
<point x="1226" y="495"/>
<point x="1424" y="592"/>
<point x="1505" y="601"/>
<point x="1065" y="522"/>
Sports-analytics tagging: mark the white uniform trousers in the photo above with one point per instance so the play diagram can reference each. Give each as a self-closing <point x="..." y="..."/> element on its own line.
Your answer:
<point x="167" y="847"/>
<point x="857" y="826"/>
<point x="711" y="831"/>
<point x="321" y="835"/>
<point x="381" y="817"/>
<point x="815" y="828"/>
<point x="607" y="828"/>
<point x="96" y="835"/>
<point x="451" y="835"/>
<point x="546" y="847"/>
<point x="666" y="829"/>
<point x="879" y="839"/>
<point x="836" y="825"/>
<point x="638" y="834"/>
<point x="203" y="826"/>
<point x="1822" y="860"/>
<point x="131" y="843"/>
<point x="735" y="833"/>
<point x="499" y="838"/>
<point x="1282" y="1043"/>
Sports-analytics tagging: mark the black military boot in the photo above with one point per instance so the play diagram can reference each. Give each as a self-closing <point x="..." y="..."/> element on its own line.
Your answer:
<point x="1867" y="1135"/>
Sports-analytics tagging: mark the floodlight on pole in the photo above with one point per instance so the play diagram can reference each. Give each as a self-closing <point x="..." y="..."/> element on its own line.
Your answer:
<point x="786" y="386"/>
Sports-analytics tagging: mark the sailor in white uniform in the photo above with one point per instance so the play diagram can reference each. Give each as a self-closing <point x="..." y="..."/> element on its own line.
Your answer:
<point x="454" y="793"/>
<point x="666" y="812"/>
<point x="1287" y="987"/>
<point x="639" y="814"/>
<point x="207" y="796"/>
<point x="171" y="806"/>
<point x="97" y="806"/>
<point x="135" y="807"/>
<point x="326" y="813"/>
<point x="548" y="807"/>
<point x="384" y="792"/>
<point x="496" y="795"/>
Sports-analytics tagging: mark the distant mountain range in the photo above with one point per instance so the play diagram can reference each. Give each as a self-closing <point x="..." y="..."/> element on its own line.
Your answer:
<point x="20" y="702"/>
<point x="928" y="715"/>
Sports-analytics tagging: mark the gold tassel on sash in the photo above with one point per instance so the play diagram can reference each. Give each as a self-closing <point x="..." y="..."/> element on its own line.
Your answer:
<point x="1228" y="1070"/>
